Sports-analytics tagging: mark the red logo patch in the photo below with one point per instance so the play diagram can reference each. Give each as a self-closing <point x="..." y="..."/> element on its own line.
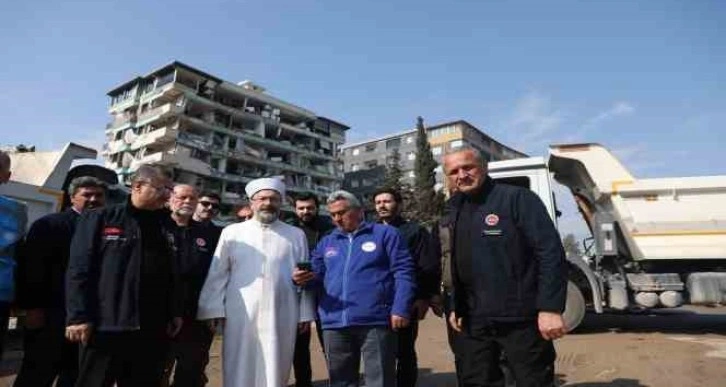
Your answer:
<point x="201" y="242"/>
<point x="112" y="231"/>
<point x="491" y="220"/>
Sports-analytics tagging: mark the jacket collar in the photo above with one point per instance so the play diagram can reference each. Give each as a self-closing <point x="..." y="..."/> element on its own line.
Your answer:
<point x="397" y="221"/>
<point x="364" y="227"/>
<point x="480" y="197"/>
<point x="318" y="223"/>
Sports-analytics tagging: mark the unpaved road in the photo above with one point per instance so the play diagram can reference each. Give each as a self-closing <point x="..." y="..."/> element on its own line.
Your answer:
<point x="680" y="348"/>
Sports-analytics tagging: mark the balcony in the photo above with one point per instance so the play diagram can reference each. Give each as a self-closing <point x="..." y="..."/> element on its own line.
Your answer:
<point x="159" y="158"/>
<point x="154" y="114"/>
<point x="241" y="155"/>
<point x="163" y="135"/>
<point x="121" y="122"/>
<point x="253" y="138"/>
<point x="124" y="104"/>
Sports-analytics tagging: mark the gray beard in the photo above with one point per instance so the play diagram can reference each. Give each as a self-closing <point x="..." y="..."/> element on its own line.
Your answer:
<point x="266" y="217"/>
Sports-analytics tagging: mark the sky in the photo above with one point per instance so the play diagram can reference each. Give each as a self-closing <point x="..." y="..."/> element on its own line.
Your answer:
<point x="644" y="78"/>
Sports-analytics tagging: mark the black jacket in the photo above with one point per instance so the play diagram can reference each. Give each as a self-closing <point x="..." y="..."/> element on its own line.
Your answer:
<point x="424" y="254"/>
<point x="44" y="260"/>
<point x="120" y="278"/>
<point x="517" y="259"/>
<point x="195" y="247"/>
<point x="315" y="231"/>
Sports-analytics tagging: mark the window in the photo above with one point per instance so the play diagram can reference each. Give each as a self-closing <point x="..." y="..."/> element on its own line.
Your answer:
<point x="367" y="182"/>
<point x="436" y="150"/>
<point x="411" y="156"/>
<point x="409" y="139"/>
<point x="356" y="152"/>
<point x="456" y="144"/>
<point x="519" y="181"/>
<point x="442" y="131"/>
<point x="199" y="154"/>
<point x="393" y="143"/>
<point x="371" y="147"/>
<point x="354" y="183"/>
<point x="371" y="164"/>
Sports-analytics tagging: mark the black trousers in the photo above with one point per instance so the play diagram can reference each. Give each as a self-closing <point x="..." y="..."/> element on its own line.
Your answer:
<point x="479" y="350"/>
<point x="47" y="355"/>
<point x="301" y="360"/>
<point x="406" y="360"/>
<point x="129" y="359"/>
<point x="4" y="319"/>
<point x="190" y="350"/>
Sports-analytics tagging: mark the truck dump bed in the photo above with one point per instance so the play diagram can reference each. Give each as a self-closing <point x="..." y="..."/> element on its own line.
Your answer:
<point x="660" y="219"/>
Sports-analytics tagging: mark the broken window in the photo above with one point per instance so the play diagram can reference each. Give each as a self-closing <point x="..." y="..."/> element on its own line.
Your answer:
<point x="393" y="143"/>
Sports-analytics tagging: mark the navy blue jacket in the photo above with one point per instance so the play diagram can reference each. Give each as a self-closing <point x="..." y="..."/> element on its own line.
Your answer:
<point x="120" y="278"/>
<point x="518" y="265"/>
<point x="366" y="277"/>
<point x="196" y="244"/>
<point x="44" y="260"/>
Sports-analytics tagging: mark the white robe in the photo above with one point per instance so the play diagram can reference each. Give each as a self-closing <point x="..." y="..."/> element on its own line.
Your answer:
<point x="250" y="284"/>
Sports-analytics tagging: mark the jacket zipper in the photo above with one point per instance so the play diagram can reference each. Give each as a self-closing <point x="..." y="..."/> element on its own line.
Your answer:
<point x="345" y="280"/>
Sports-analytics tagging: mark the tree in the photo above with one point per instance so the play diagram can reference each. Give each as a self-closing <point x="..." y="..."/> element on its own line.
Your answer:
<point x="394" y="173"/>
<point x="427" y="204"/>
<point x="572" y="248"/>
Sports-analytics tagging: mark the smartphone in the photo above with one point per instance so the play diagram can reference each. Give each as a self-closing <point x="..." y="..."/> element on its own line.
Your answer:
<point x="305" y="265"/>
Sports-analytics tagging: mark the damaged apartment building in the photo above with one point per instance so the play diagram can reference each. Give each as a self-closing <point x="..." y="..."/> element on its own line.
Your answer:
<point x="219" y="135"/>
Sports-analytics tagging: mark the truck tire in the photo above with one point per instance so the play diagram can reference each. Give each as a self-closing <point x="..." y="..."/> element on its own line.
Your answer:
<point x="574" y="308"/>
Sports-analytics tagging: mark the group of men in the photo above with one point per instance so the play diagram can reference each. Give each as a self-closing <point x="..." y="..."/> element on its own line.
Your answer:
<point x="144" y="285"/>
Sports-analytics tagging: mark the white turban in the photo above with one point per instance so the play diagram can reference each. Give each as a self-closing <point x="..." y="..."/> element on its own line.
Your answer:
<point x="258" y="185"/>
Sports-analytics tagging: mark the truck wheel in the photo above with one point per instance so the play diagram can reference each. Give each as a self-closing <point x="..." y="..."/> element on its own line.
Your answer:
<point x="574" y="308"/>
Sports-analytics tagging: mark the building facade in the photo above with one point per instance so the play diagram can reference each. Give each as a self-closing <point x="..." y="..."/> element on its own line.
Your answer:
<point x="367" y="155"/>
<point x="219" y="135"/>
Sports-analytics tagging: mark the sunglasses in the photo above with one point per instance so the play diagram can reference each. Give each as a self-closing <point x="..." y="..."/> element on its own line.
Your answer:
<point x="214" y="206"/>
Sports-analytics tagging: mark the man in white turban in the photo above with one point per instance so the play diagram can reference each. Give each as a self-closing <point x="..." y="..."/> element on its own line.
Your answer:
<point x="249" y="291"/>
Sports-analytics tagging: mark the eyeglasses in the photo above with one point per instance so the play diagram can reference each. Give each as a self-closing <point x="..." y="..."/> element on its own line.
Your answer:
<point x="214" y="206"/>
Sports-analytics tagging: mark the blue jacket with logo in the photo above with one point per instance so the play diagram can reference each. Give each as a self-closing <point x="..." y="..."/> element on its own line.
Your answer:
<point x="364" y="277"/>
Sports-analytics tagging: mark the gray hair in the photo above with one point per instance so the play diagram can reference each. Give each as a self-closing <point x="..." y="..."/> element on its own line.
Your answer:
<point x="468" y="148"/>
<point x="353" y="201"/>
<point x="194" y="188"/>
<point x="147" y="172"/>
<point x="85" y="182"/>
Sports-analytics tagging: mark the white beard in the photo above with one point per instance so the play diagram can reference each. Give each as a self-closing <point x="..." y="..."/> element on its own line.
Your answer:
<point x="266" y="217"/>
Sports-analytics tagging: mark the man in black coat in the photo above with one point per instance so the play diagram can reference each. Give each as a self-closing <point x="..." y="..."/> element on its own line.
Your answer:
<point x="123" y="292"/>
<point x="315" y="228"/>
<point x="389" y="204"/>
<point x="196" y="242"/>
<point x="41" y="287"/>
<point x="505" y="277"/>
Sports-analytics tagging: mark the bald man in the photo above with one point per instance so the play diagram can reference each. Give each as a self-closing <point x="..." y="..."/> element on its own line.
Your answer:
<point x="196" y="242"/>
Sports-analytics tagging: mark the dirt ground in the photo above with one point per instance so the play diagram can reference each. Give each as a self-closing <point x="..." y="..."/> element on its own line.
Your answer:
<point x="683" y="347"/>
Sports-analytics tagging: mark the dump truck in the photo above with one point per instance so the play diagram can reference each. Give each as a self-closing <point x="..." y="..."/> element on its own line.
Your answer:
<point x="654" y="243"/>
